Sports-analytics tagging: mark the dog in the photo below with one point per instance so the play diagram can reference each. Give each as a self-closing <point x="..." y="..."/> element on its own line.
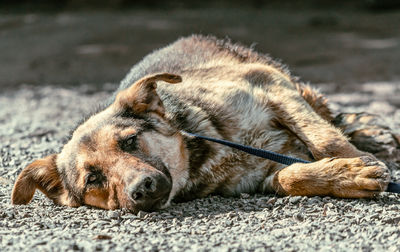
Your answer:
<point x="132" y="154"/>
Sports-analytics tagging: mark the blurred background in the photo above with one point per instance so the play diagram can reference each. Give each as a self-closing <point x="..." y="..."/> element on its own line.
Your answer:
<point x="74" y="42"/>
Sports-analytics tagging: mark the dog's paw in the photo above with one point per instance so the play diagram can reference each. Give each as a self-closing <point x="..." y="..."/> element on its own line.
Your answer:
<point x="361" y="177"/>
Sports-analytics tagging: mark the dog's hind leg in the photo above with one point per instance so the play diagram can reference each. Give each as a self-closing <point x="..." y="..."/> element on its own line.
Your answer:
<point x="294" y="113"/>
<point x="368" y="133"/>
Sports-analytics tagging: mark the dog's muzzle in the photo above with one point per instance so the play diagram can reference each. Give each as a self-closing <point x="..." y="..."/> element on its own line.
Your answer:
<point x="149" y="191"/>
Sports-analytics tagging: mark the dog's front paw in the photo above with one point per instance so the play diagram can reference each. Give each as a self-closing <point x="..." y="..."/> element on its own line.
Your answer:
<point x="361" y="177"/>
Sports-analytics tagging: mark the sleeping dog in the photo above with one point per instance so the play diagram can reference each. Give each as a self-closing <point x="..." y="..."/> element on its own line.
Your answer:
<point x="132" y="153"/>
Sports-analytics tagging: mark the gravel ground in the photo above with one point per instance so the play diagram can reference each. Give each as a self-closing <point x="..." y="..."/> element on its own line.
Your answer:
<point x="34" y="122"/>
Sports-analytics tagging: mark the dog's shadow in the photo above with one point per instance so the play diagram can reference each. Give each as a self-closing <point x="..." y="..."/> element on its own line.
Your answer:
<point x="305" y="207"/>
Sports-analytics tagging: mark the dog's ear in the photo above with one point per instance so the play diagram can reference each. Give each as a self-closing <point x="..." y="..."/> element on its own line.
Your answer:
<point x="42" y="174"/>
<point x="142" y="97"/>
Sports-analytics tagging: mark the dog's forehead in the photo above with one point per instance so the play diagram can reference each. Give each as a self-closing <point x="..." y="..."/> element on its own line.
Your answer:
<point x="98" y="132"/>
<point x="85" y="131"/>
<point x="94" y="122"/>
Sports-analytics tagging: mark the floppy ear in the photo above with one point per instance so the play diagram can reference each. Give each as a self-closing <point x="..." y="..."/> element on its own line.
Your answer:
<point x="142" y="97"/>
<point x="42" y="174"/>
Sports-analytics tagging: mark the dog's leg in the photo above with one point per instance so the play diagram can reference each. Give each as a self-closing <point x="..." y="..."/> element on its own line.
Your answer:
<point x="360" y="177"/>
<point x="294" y="113"/>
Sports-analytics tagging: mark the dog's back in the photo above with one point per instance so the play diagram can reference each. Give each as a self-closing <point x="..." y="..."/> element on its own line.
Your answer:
<point x="196" y="52"/>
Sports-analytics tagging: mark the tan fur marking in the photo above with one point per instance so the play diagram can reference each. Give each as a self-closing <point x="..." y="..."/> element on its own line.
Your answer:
<point x="341" y="177"/>
<point x="98" y="198"/>
<point x="127" y="132"/>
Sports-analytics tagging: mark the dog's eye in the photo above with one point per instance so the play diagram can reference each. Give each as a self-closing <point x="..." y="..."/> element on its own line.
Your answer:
<point x="93" y="178"/>
<point x="129" y="143"/>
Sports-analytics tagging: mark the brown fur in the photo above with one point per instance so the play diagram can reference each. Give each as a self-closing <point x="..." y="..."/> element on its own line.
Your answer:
<point x="134" y="155"/>
<point x="41" y="174"/>
<point x="341" y="177"/>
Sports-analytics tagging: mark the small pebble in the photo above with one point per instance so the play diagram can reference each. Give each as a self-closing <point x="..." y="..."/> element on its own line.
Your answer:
<point x="141" y="214"/>
<point x="244" y="195"/>
<point x="113" y="215"/>
<point x="102" y="237"/>
<point x="298" y="216"/>
<point x="294" y="199"/>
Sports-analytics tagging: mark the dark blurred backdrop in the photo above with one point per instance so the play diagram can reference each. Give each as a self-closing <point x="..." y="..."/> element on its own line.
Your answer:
<point x="121" y="4"/>
<point x="74" y="42"/>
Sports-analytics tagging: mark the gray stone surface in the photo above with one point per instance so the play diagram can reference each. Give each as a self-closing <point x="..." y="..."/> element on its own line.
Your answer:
<point x="35" y="121"/>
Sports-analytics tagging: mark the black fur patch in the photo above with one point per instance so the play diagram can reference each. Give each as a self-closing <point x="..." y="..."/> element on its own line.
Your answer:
<point x="128" y="113"/>
<point x="194" y="193"/>
<point x="69" y="178"/>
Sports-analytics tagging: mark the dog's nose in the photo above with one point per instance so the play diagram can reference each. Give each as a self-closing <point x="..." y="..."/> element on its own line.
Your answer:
<point x="142" y="189"/>
<point x="148" y="190"/>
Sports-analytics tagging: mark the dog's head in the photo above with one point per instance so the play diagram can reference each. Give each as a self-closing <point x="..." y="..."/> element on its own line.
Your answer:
<point x="122" y="157"/>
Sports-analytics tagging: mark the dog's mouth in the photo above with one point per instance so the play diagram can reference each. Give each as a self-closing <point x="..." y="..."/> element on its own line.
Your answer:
<point x="159" y="203"/>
